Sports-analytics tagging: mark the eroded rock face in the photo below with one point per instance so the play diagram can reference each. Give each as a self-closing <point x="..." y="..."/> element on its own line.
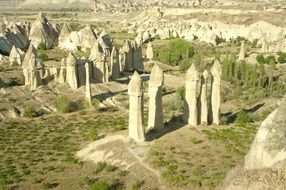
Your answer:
<point x="136" y="105"/>
<point x="216" y="88"/>
<point x="131" y="54"/>
<point x="42" y="32"/>
<point x="87" y="83"/>
<point x="16" y="56"/>
<point x="269" y="145"/>
<point x="33" y="69"/>
<point x="149" y="51"/>
<point x="204" y="98"/>
<point x="191" y="104"/>
<point x="13" y="34"/>
<point x="242" y="52"/>
<point x="72" y="76"/>
<point x="155" y="118"/>
<point x="115" y="65"/>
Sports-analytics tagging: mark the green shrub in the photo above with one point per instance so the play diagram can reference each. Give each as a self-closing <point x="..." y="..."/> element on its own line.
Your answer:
<point x="177" y="102"/>
<point x="260" y="59"/>
<point x="75" y="26"/>
<point x="15" y="63"/>
<point x="63" y="104"/>
<point x="281" y="57"/>
<point x="181" y="92"/>
<point x="265" y="114"/>
<point x="254" y="43"/>
<point x="92" y="134"/>
<point x="242" y="118"/>
<point x="42" y="46"/>
<point x="100" y="185"/>
<point x="30" y="112"/>
<point x="43" y="57"/>
<point x="270" y="58"/>
<point x="177" y="51"/>
<point x="184" y="66"/>
<point x="95" y="103"/>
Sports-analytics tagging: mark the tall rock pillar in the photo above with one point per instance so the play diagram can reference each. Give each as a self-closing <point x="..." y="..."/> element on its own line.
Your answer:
<point x="136" y="101"/>
<point x="155" y="118"/>
<point x="215" y="97"/>
<point x="190" y="107"/>
<point x="204" y="98"/>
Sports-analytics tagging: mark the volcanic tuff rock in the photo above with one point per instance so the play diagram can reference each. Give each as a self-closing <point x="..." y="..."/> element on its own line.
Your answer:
<point x="43" y="32"/>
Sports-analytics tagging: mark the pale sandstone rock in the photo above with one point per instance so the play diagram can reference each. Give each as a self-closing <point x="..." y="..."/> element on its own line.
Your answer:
<point x="242" y="52"/>
<point x="63" y="72"/>
<point x="136" y="108"/>
<point x="216" y="72"/>
<point x="115" y="64"/>
<point x="155" y="118"/>
<point x="190" y="107"/>
<point x="87" y="84"/>
<point x="72" y="76"/>
<point x="43" y="32"/>
<point x="149" y="51"/>
<point x="204" y="98"/>
<point x="15" y="56"/>
<point x="269" y="147"/>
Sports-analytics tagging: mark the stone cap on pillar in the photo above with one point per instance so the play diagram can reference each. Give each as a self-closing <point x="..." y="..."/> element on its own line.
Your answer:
<point x="156" y="77"/>
<point x="206" y="74"/>
<point x="71" y="60"/>
<point x="192" y="73"/>
<point x="135" y="85"/>
<point x="216" y="69"/>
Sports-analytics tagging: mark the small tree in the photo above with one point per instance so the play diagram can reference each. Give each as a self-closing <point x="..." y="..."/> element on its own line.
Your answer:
<point x="43" y="57"/>
<point x="63" y="104"/>
<point x="30" y="112"/>
<point x="260" y="59"/>
<point x="242" y="118"/>
<point x="42" y="46"/>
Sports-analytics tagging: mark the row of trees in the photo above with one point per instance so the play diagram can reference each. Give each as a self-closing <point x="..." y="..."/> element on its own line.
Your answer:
<point x="249" y="76"/>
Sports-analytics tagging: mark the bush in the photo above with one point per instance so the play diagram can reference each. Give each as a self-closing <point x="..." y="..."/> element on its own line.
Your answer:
<point x="254" y="43"/>
<point x="260" y="59"/>
<point x="92" y="134"/>
<point x="43" y="57"/>
<point x="75" y="26"/>
<point x="95" y="103"/>
<point x="63" y="104"/>
<point x="30" y="112"/>
<point x="281" y="57"/>
<point x="177" y="51"/>
<point x="184" y="66"/>
<point x="242" y="118"/>
<point x="270" y="58"/>
<point x="15" y="63"/>
<point x="42" y="46"/>
<point x="177" y="102"/>
<point x="181" y="92"/>
<point x="100" y="185"/>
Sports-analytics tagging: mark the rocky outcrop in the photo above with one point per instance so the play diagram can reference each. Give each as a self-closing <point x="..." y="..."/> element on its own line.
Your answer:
<point x="42" y="32"/>
<point x="265" y="162"/>
<point x="149" y="51"/>
<point x="131" y="54"/>
<point x="87" y="84"/>
<point x="191" y="104"/>
<point x="33" y="69"/>
<point x="269" y="145"/>
<point x="155" y="117"/>
<point x="13" y="34"/>
<point x="115" y="64"/>
<point x="216" y="72"/>
<point x="72" y="76"/>
<point x="16" y="56"/>
<point x="136" y="105"/>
